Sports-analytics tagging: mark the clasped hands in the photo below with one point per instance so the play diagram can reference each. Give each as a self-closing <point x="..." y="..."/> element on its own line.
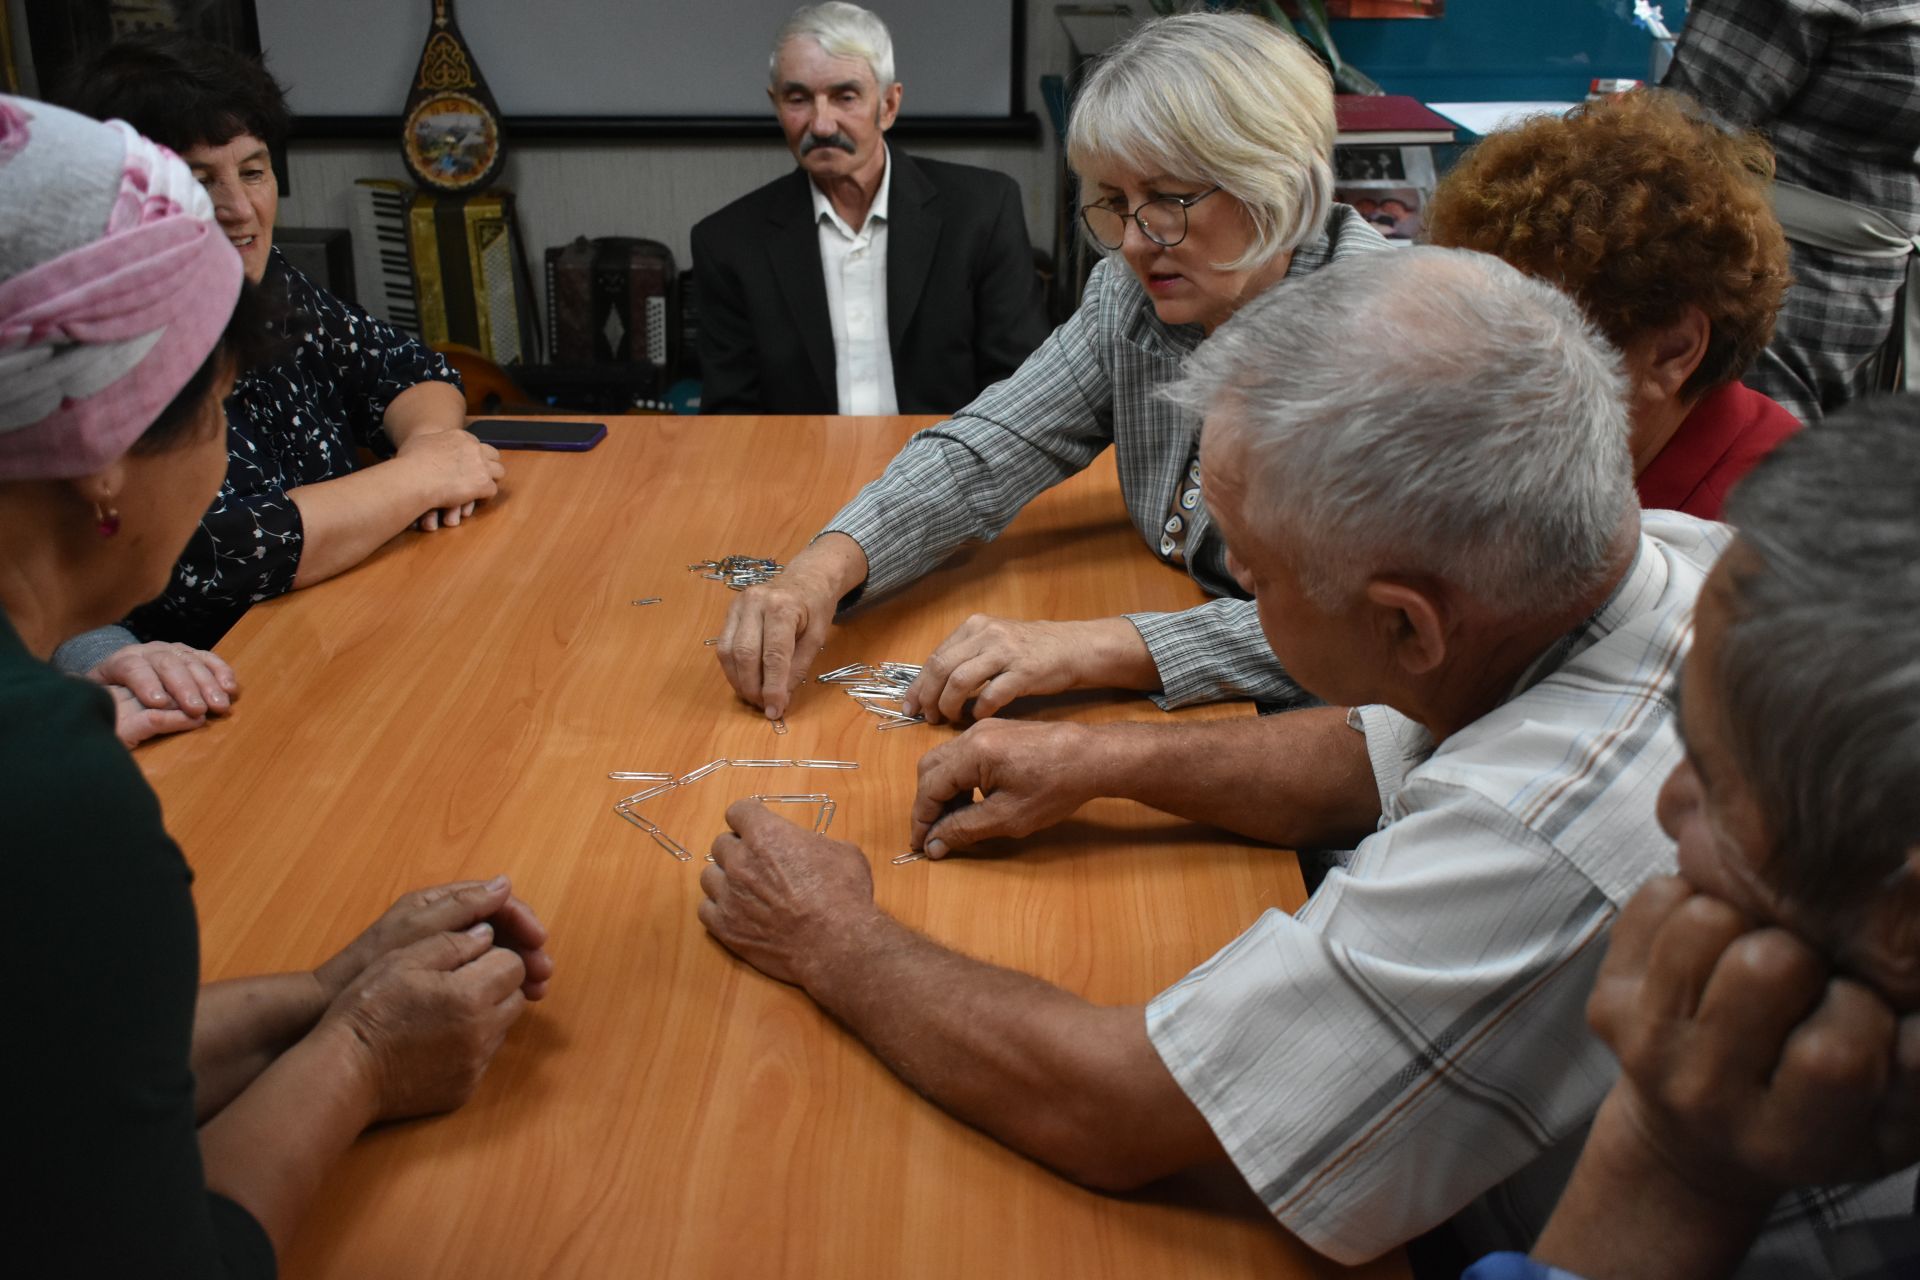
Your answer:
<point x="425" y="995"/>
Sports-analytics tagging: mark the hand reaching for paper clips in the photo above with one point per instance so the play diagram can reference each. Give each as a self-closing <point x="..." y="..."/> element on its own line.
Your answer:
<point x="447" y="908"/>
<point x="990" y="661"/>
<point x="774" y="631"/>
<point x="1030" y="776"/>
<point x="778" y="894"/>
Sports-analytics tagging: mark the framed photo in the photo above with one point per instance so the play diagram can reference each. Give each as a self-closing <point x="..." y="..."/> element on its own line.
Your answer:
<point x="59" y="32"/>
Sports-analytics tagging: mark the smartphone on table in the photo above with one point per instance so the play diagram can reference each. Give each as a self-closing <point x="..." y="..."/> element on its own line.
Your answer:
<point x="539" y="433"/>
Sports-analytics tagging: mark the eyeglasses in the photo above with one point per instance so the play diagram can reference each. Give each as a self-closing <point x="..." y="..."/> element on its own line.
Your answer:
<point x="1163" y="220"/>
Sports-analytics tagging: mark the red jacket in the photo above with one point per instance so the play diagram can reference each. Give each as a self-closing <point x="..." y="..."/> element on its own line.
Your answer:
<point x="1720" y="441"/>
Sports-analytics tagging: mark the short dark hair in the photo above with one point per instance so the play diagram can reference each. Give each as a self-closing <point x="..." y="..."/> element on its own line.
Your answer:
<point x="1819" y="676"/>
<point x="180" y="91"/>
<point x="247" y="343"/>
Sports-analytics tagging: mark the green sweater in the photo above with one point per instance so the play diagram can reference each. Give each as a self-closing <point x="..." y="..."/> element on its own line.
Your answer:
<point x="106" y="967"/>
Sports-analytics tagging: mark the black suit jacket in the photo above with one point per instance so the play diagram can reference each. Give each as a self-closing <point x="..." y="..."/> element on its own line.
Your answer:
<point x="963" y="305"/>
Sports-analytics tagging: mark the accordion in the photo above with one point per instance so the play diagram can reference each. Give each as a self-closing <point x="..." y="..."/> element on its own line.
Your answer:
<point x="613" y="300"/>
<point x="446" y="268"/>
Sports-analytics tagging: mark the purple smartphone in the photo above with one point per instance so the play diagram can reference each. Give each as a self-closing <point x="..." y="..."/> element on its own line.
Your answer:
<point x="539" y="433"/>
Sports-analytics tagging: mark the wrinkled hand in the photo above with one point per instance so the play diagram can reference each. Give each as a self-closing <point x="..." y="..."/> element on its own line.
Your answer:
<point x="773" y="634"/>
<point x="447" y="908"/>
<point x="430" y="1017"/>
<point x="455" y="469"/>
<point x="1030" y="776"/>
<point x="1746" y="1066"/>
<point x="991" y="661"/>
<point x="164" y="688"/>
<point x="778" y="895"/>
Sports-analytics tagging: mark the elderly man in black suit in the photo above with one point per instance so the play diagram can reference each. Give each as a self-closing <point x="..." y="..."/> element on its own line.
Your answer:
<point x="864" y="281"/>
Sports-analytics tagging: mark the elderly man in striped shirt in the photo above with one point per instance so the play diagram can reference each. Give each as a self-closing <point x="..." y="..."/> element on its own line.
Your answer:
<point x="1444" y="539"/>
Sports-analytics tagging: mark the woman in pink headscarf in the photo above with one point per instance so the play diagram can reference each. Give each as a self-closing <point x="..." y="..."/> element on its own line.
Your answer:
<point x="160" y="1127"/>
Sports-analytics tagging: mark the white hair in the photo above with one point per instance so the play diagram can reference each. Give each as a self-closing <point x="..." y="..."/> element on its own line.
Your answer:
<point x="1227" y="99"/>
<point x="1425" y="411"/>
<point x="844" y="31"/>
<point x="1819" y="671"/>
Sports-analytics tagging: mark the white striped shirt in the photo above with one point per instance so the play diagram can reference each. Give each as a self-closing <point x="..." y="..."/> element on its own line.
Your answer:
<point x="1415" y="1038"/>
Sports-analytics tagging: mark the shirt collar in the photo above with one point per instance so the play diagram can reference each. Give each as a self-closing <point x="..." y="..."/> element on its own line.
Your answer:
<point x="823" y="207"/>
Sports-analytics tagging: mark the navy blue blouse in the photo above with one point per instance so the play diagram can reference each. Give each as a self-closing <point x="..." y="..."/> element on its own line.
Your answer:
<point x="297" y="422"/>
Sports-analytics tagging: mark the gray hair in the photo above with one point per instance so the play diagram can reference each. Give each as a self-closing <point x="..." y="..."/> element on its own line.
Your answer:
<point x="1425" y="411"/>
<point x="844" y="31"/>
<point x="1820" y="668"/>
<point x="1222" y="98"/>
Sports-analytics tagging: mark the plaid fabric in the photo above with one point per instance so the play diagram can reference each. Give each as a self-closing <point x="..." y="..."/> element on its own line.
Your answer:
<point x="1090" y="385"/>
<point x="1412" y="1046"/>
<point x="1836" y="85"/>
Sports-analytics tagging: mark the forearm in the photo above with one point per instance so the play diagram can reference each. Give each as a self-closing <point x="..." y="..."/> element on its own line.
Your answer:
<point x="425" y="406"/>
<point x="269" y="1149"/>
<point x="1112" y="655"/>
<point x="1301" y="779"/>
<point x="833" y="560"/>
<point x="1628" y="1215"/>
<point x="241" y="1026"/>
<point x="1075" y="1086"/>
<point x="348" y="519"/>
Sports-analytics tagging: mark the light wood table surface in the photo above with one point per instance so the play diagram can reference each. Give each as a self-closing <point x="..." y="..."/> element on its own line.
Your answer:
<point x="451" y="709"/>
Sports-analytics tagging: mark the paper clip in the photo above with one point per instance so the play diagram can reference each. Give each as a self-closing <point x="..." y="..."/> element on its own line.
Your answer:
<point x="700" y="773"/>
<point x="712" y="642"/>
<point x="623" y="776"/>
<point x="648" y="600"/>
<point x="823" y="764"/>
<point x="780" y="725"/>
<point x="901" y="723"/>
<point x="639" y="796"/>
<point x="671" y="845"/>
<point x="634" y="818"/>
<point x="905" y="858"/>
<point x="763" y="764"/>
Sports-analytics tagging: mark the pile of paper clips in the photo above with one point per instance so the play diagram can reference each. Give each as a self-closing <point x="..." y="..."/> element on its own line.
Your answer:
<point x="873" y="687"/>
<point x="628" y="807"/>
<point x="738" y="572"/>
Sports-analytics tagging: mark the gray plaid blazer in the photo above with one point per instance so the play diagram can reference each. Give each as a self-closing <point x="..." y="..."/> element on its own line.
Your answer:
<point x="1089" y="385"/>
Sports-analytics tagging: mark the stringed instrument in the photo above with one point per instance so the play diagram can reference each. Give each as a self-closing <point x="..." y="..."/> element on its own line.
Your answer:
<point x="451" y="140"/>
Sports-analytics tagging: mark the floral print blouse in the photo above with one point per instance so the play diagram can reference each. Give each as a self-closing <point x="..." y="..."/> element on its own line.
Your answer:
<point x="296" y="422"/>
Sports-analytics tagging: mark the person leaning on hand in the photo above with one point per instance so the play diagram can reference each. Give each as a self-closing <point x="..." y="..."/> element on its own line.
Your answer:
<point x="1203" y="143"/>
<point x="1765" y="1005"/>
<point x="160" y="1127"/>
<point x="296" y="506"/>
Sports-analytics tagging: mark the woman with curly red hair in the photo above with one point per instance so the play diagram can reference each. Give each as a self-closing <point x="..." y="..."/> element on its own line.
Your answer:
<point x="1659" y="224"/>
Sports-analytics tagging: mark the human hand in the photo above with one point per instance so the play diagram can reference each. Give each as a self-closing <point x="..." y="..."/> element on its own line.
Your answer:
<point x="991" y="661"/>
<point x="447" y="908"/>
<point x="1030" y="776"/>
<point x="775" y="630"/>
<point x="1748" y="1068"/>
<point x="160" y="687"/>
<point x="450" y="517"/>
<point x="428" y="1018"/>
<point x="779" y="895"/>
<point x="453" y="470"/>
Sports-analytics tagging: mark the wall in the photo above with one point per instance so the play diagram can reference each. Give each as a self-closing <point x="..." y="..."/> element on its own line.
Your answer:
<point x="661" y="189"/>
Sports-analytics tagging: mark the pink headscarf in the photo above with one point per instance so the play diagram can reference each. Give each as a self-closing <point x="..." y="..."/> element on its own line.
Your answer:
<point x="115" y="286"/>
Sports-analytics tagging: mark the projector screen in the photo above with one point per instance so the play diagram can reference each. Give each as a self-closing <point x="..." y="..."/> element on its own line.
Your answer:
<point x="621" y="58"/>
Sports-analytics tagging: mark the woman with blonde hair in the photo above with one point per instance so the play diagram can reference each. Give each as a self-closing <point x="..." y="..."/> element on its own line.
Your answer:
<point x="1203" y="144"/>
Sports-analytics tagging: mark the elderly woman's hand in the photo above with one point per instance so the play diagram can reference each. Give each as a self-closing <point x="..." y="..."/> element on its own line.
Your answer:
<point x="164" y="688"/>
<point x="454" y="470"/>
<point x="447" y="908"/>
<point x="427" y="1019"/>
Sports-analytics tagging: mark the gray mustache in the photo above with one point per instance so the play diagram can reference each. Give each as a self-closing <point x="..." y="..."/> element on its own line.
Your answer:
<point x="813" y="142"/>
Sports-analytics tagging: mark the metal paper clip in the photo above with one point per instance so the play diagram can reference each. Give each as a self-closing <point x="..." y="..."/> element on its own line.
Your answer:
<point x="634" y="818"/>
<point x="668" y="843"/>
<point x="780" y="725"/>
<point x="649" y="600"/>
<point x="624" y="776"/>
<point x="712" y="642"/>
<point x="639" y="796"/>
<point x="901" y="723"/>
<point x="762" y="764"/>
<point x="700" y="773"/>
<point x="824" y="764"/>
<point x="905" y="858"/>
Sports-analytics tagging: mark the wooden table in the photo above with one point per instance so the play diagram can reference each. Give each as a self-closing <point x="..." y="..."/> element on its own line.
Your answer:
<point x="452" y="708"/>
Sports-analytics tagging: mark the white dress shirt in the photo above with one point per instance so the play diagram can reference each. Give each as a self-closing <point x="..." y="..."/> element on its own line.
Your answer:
<point x="855" y="263"/>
